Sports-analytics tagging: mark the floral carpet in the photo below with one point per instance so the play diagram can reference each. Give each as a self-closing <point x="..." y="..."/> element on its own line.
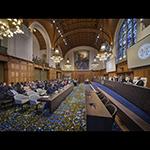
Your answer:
<point x="69" y="116"/>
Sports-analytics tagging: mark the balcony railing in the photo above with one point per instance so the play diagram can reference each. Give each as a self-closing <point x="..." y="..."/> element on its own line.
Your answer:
<point x="40" y="62"/>
<point x="3" y="50"/>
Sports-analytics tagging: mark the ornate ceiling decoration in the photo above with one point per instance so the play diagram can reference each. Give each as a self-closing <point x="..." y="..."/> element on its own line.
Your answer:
<point x="69" y="33"/>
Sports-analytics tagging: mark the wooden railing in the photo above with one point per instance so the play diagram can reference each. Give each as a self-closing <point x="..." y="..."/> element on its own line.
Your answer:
<point x="40" y="62"/>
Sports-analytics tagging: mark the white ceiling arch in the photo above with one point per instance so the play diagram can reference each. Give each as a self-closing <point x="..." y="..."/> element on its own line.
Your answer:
<point x="42" y="30"/>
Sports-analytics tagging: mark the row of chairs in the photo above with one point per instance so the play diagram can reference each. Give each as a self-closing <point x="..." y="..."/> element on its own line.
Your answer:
<point x="111" y="107"/>
<point x="31" y="97"/>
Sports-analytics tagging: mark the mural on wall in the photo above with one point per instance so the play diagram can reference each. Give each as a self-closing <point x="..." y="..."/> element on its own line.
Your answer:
<point x="81" y="60"/>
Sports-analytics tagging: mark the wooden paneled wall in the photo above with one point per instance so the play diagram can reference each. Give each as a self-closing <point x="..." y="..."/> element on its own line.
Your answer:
<point x="81" y="76"/>
<point x="19" y="70"/>
<point x="52" y="74"/>
<point x="122" y="68"/>
<point x="58" y="74"/>
<point x="143" y="72"/>
<point x="140" y="72"/>
<point x="112" y="74"/>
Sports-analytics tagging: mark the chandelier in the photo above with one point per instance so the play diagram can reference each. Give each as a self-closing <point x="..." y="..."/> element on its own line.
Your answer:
<point x="105" y="52"/>
<point x="95" y="62"/>
<point x="9" y="27"/>
<point x="56" y="56"/>
<point x="68" y="65"/>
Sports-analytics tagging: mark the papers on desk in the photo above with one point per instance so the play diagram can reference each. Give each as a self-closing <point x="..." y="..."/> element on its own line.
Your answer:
<point x="56" y="92"/>
<point x="46" y="96"/>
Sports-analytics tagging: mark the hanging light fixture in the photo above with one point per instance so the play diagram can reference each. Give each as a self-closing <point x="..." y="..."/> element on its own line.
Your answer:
<point x="94" y="63"/>
<point x="56" y="57"/>
<point x="68" y="64"/>
<point x="105" y="52"/>
<point x="9" y="27"/>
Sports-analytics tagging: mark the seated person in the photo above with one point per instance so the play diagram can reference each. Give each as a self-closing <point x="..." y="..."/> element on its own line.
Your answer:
<point x="19" y="88"/>
<point x="87" y="81"/>
<point x="5" y="93"/>
<point x="140" y="82"/>
<point x="75" y="82"/>
<point x="122" y="78"/>
<point x="40" y="85"/>
<point x="46" y="86"/>
<point x="130" y="80"/>
<point x="33" y="86"/>
<point x="51" y="89"/>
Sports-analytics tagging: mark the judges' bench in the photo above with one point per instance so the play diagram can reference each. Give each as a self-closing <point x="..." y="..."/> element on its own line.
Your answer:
<point x="98" y="117"/>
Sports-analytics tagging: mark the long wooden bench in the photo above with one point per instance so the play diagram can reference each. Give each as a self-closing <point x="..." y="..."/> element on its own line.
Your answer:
<point x="98" y="117"/>
<point x="55" y="100"/>
<point x="132" y="120"/>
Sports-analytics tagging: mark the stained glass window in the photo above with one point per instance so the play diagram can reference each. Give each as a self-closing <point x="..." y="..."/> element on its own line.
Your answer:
<point x="127" y="37"/>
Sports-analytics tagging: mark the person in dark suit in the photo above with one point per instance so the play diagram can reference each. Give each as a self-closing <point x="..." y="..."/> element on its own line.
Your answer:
<point x="130" y="81"/>
<point x="140" y="82"/>
<point x="123" y="79"/>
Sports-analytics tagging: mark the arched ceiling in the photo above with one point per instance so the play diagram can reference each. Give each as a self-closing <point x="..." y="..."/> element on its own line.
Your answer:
<point x="78" y="32"/>
<point x="40" y="39"/>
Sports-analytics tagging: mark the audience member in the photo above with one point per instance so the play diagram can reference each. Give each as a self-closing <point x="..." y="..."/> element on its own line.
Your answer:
<point x="140" y="82"/>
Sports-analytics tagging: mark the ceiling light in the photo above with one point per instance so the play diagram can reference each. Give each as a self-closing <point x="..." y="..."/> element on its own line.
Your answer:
<point x="67" y="65"/>
<point x="105" y="52"/>
<point x="14" y="23"/>
<point x="68" y="61"/>
<point x="53" y="21"/>
<point x="141" y="20"/>
<point x="56" y="56"/>
<point x="57" y="51"/>
<point x="2" y="27"/>
<point x="8" y="27"/>
<point x="94" y="63"/>
<point x="103" y="47"/>
<point x="17" y="27"/>
<point x="100" y="29"/>
<point x="19" y="22"/>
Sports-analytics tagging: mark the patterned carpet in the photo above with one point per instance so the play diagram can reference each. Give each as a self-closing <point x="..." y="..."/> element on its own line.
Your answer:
<point x="70" y="116"/>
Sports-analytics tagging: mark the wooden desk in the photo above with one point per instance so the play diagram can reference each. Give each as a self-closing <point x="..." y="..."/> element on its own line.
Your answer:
<point x="139" y="96"/>
<point x="98" y="117"/>
<point x="55" y="100"/>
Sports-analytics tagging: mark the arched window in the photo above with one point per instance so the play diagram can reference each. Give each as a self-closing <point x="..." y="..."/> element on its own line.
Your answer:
<point x="127" y="37"/>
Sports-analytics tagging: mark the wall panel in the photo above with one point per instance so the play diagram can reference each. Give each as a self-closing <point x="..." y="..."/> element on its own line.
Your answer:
<point x="19" y="70"/>
<point x="143" y="72"/>
<point x="1" y="71"/>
